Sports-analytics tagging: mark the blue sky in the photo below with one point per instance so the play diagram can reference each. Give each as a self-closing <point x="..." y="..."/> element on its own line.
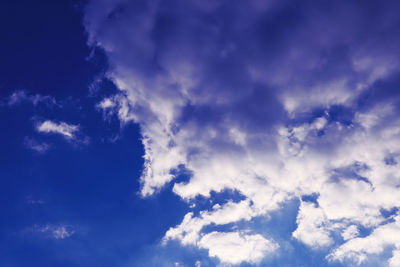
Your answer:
<point x="199" y="133"/>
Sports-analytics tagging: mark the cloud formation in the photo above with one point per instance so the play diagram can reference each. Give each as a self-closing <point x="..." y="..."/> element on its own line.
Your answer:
<point x="358" y="249"/>
<point x="234" y="247"/>
<point x="275" y="100"/>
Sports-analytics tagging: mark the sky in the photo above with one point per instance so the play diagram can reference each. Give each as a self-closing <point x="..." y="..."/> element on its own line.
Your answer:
<point x="199" y="133"/>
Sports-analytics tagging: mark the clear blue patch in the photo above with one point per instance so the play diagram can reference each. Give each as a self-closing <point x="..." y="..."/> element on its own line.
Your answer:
<point x="341" y="114"/>
<point x="390" y="160"/>
<point x="350" y="172"/>
<point x="220" y="198"/>
<point x="388" y="213"/>
<point x="311" y="198"/>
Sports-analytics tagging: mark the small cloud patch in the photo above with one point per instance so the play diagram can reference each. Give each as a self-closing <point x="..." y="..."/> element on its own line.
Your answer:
<point x="70" y="132"/>
<point x="39" y="147"/>
<point x="52" y="231"/>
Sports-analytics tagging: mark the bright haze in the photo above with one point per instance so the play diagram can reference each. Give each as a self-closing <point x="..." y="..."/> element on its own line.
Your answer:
<point x="200" y="133"/>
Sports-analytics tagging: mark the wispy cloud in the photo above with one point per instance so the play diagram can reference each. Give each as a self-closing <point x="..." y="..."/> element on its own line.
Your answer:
<point x="119" y="105"/>
<point x="40" y="147"/>
<point x="69" y="132"/>
<point x="59" y="231"/>
<point x="66" y="130"/>
<point x="34" y="201"/>
<point x="21" y="96"/>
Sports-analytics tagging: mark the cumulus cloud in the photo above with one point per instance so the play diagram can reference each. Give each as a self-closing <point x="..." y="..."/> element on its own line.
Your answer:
<point x="358" y="249"/>
<point x="274" y="101"/>
<point x="312" y="229"/>
<point x="234" y="247"/>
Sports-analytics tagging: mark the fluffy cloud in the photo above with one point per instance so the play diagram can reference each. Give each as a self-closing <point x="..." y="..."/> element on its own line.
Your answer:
<point x="350" y="232"/>
<point x="234" y="247"/>
<point x="188" y="231"/>
<point x="274" y="101"/>
<point x="311" y="229"/>
<point x="384" y="236"/>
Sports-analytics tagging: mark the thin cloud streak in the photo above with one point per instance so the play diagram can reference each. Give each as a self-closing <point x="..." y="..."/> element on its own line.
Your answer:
<point x="22" y="96"/>
<point x="53" y="231"/>
<point x="62" y="128"/>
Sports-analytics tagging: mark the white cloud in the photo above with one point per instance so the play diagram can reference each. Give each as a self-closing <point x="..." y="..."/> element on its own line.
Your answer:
<point x="326" y="94"/>
<point x="62" y="232"/>
<point x="70" y="132"/>
<point x="66" y="130"/>
<point x="394" y="261"/>
<point x="188" y="232"/>
<point x="358" y="249"/>
<point x="107" y="103"/>
<point x="299" y="167"/>
<point x="295" y="167"/>
<point x="236" y="247"/>
<point x="374" y="116"/>
<point x="247" y="124"/>
<point x="312" y="227"/>
<point x="110" y="106"/>
<point x="350" y="232"/>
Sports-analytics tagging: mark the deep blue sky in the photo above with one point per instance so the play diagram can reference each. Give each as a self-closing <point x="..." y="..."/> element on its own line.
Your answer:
<point x="93" y="187"/>
<point x="120" y="118"/>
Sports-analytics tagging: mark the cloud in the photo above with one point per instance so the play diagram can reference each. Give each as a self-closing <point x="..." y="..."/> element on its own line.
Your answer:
<point x="40" y="147"/>
<point x="188" y="232"/>
<point x="234" y="247"/>
<point x="61" y="128"/>
<point x="115" y="105"/>
<point x="357" y="249"/>
<point x="274" y="101"/>
<point x="311" y="229"/>
<point x="54" y="231"/>
<point x="22" y="96"/>
<point x="350" y="232"/>
<point x="107" y="103"/>
<point x="70" y="132"/>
